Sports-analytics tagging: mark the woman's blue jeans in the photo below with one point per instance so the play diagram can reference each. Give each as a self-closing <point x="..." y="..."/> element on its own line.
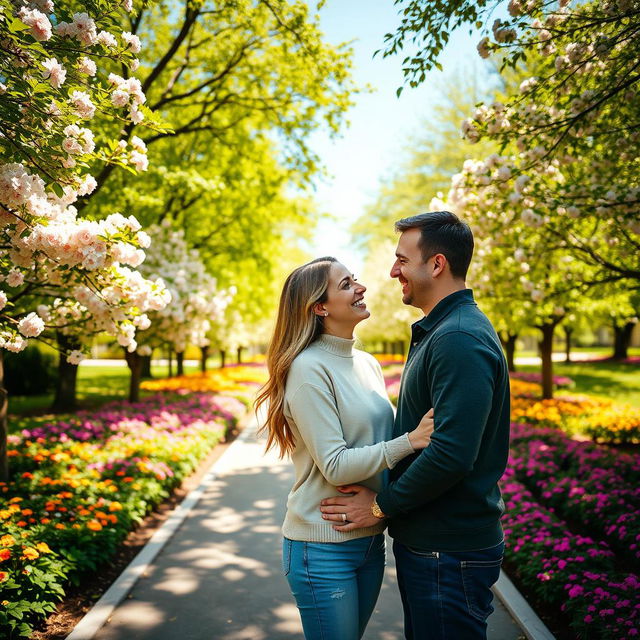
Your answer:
<point x="446" y="595"/>
<point x="335" y="585"/>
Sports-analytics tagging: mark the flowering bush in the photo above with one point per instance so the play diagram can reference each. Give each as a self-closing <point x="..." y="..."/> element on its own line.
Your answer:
<point x="583" y="482"/>
<point x="196" y="300"/>
<point x="574" y="572"/>
<point x="82" y="483"/>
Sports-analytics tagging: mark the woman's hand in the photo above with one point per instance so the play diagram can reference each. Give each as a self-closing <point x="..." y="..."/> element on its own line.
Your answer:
<point x="420" y="437"/>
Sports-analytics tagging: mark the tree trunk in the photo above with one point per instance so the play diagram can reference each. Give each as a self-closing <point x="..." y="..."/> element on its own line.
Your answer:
<point x="509" y="346"/>
<point x="546" y="352"/>
<point x="146" y="367"/>
<point x="180" y="363"/>
<point x="66" y="385"/>
<point x="4" y="427"/>
<point x="204" y="354"/>
<point x="134" y="362"/>
<point x="240" y="355"/>
<point x="622" y="340"/>
<point x="170" y="359"/>
<point x="223" y="357"/>
<point x="568" y="332"/>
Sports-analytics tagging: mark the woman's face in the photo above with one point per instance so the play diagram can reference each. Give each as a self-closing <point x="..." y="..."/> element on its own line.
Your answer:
<point x="345" y="299"/>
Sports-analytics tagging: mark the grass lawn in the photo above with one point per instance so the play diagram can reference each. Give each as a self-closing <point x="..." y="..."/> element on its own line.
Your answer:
<point x="96" y="385"/>
<point x="619" y="382"/>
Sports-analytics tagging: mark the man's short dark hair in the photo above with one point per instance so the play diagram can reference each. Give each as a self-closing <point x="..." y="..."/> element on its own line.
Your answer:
<point x="442" y="232"/>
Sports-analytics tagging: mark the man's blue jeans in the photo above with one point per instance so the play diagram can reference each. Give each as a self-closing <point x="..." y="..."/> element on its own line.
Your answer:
<point x="335" y="585"/>
<point x="446" y="595"/>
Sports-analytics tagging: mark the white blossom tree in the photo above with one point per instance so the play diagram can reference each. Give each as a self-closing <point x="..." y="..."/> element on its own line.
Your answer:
<point x="196" y="301"/>
<point x="59" y="271"/>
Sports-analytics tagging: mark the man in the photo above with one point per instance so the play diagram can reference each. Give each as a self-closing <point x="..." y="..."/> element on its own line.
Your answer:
<point x="443" y="504"/>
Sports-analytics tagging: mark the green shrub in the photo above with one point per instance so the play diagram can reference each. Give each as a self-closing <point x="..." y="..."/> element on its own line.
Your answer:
<point x="30" y="372"/>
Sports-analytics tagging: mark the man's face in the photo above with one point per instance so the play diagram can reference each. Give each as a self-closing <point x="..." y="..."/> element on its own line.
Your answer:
<point x="411" y="271"/>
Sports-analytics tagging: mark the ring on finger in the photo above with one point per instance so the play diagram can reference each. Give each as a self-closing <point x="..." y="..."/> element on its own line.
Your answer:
<point x="344" y="517"/>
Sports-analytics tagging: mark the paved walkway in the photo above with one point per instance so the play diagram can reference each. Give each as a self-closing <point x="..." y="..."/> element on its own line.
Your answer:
<point x="219" y="577"/>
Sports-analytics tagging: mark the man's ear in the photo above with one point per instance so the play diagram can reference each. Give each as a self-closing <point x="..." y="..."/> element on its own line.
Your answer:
<point x="439" y="264"/>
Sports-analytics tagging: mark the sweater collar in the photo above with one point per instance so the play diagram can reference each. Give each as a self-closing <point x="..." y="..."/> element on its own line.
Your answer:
<point x="340" y="346"/>
<point x="444" y="308"/>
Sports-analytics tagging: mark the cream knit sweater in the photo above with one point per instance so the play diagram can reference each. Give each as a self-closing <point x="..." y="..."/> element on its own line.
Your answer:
<point x="337" y="407"/>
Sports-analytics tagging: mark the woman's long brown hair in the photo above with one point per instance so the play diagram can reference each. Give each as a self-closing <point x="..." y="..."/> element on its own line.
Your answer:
<point x="297" y="326"/>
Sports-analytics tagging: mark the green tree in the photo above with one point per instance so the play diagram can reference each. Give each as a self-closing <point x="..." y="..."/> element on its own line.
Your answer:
<point x="243" y="84"/>
<point x="578" y="111"/>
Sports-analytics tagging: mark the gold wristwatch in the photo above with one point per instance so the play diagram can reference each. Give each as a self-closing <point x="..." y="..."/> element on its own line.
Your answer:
<point x="376" y="510"/>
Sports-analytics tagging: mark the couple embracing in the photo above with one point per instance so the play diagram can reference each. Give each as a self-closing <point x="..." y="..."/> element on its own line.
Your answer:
<point x="445" y="449"/>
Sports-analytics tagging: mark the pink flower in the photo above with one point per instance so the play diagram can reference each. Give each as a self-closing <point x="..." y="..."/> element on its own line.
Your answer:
<point x="39" y="23"/>
<point x="55" y="72"/>
<point x="31" y="325"/>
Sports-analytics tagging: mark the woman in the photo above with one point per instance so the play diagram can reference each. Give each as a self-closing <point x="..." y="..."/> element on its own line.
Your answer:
<point x="328" y="409"/>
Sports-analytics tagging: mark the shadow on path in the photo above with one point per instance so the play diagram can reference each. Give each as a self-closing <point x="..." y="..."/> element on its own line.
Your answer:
<point x="219" y="577"/>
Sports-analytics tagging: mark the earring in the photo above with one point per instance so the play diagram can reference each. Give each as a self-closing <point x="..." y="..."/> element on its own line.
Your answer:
<point x="326" y="313"/>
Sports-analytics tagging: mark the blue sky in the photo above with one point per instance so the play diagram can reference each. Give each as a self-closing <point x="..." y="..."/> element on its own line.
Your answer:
<point x="380" y="123"/>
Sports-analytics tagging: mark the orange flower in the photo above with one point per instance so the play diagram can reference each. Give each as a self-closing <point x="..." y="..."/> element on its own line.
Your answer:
<point x="27" y="512"/>
<point x="27" y="475"/>
<point x="94" y="525"/>
<point x="7" y="540"/>
<point x="60" y="526"/>
<point x="3" y="576"/>
<point x="22" y="523"/>
<point x="115" y="506"/>
<point x="14" y="500"/>
<point x="43" y="547"/>
<point x="5" y="554"/>
<point x="45" y="520"/>
<point x="29" y="553"/>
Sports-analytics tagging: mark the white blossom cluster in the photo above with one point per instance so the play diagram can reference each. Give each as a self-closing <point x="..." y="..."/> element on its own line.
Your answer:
<point x="58" y="270"/>
<point x="196" y="301"/>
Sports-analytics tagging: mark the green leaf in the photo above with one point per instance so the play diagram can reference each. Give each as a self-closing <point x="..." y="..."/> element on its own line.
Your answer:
<point x="57" y="189"/>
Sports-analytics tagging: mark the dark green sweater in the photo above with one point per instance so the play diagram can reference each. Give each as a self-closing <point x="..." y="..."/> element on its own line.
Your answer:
<point x="446" y="497"/>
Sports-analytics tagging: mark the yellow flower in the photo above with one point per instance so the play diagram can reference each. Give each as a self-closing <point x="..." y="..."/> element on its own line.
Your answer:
<point x="29" y="553"/>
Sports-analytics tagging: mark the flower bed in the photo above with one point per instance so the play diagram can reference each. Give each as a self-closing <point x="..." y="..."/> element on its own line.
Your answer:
<point x="599" y="418"/>
<point x="532" y="376"/>
<point x="238" y="380"/>
<point x="81" y="483"/>
<point x="575" y="573"/>
<point x="593" y="487"/>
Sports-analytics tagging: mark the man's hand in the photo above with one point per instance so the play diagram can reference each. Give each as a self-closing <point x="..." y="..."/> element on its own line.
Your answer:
<point x="357" y="508"/>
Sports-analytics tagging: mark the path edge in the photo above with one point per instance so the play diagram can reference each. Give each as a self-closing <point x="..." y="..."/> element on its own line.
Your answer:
<point x="520" y="610"/>
<point x="102" y="610"/>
